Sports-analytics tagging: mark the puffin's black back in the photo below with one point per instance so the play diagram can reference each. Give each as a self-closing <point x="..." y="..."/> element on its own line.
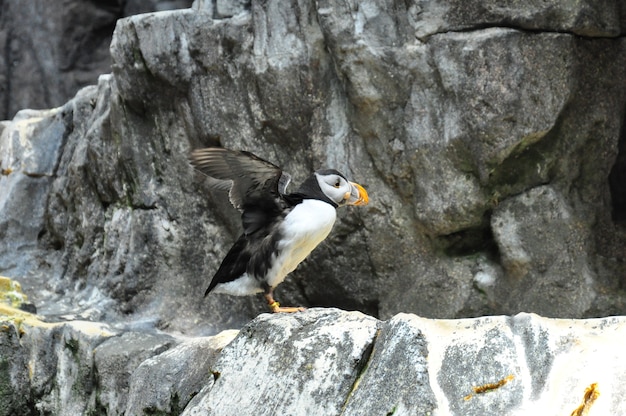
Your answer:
<point x="257" y="190"/>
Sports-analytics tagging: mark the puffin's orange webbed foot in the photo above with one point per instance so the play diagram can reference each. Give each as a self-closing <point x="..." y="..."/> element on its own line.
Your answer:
<point x="276" y="308"/>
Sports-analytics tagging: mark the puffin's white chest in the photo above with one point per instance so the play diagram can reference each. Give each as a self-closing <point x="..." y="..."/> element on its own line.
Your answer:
<point x="307" y="225"/>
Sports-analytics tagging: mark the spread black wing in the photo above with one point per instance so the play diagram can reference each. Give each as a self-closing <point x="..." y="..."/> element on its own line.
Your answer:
<point x="249" y="178"/>
<point x="257" y="188"/>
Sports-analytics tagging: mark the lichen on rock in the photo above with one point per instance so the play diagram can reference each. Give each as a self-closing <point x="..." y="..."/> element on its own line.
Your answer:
<point x="12" y="295"/>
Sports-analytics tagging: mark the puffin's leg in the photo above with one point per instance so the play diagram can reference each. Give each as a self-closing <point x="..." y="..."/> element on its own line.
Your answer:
<point x="275" y="306"/>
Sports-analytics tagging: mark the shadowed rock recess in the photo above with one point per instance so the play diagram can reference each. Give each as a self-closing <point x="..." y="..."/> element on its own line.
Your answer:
<point x="50" y="50"/>
<point x="490" y="135"/>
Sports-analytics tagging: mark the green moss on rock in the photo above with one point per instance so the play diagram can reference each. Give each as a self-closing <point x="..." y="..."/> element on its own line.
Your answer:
<point x="11" y="293"/>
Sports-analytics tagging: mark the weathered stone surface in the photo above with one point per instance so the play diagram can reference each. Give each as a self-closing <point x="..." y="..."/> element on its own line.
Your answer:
<point x="167" y="382"/>
<point x="492" y="365"/>
<point x="545" y="258"/>
<point x="117" y="359"/>
<point x="78" y="367"/>
<point x="321" y="361"/>
<point x="455" y="121"/>
<point x="50" y="50"/>
<point x="293" y="379"/>
<point x="397" y="370"/>
<point x="585" y="18"/>
<point x="47" y="368"/>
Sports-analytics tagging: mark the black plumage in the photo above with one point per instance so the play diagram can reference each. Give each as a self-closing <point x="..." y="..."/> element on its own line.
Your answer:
<point x="279" y="229"/>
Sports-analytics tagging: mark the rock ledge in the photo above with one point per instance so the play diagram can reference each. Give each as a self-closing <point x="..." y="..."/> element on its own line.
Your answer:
<point x="322" y="361"/>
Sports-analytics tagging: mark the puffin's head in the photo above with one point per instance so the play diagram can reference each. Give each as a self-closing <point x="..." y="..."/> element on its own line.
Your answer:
<point x="340" y="190"/>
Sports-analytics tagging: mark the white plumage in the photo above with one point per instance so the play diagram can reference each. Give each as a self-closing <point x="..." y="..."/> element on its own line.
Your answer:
<point x="303" y="229"/>
<point x="279" y="230"/>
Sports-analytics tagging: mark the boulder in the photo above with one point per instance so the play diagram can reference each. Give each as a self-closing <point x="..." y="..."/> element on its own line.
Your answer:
<point x="321" y="361"/>
<point x="410" y="365"/>
<point x="545" y="260"/>
<point x="167" y="382"/>
<point x="45" y="367"/>
<point x="80" y="367"/>
<point x="584" y="18"/>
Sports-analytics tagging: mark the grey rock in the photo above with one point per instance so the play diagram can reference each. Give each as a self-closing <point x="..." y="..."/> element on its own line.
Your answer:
<point x="51" y="51"/>
<point x="490" y="121"/>
<point x="80" y="367"/>
<point x="500" y="365"/>
<point x="225" y="8"/>
<point x="117" y="359"/>
<point x="61" y="364"/>
<point x="544" y="259"/>
<point x="30" y="147"/>
<point x="15" y="396"/>
<point x="167" y="382"/>
<point x="447" y="130"/>
<point x="321" y="361"/>
<point x="397" y="371"/>
<point x="295" y="378"/>
<point x="585" y="18"/>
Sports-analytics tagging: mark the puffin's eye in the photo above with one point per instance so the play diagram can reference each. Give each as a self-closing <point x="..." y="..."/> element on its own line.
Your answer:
<point x="337" y="184"/>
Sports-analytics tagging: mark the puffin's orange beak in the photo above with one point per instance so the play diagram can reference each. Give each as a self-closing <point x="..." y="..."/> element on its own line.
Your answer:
<point x="358" y="196"/>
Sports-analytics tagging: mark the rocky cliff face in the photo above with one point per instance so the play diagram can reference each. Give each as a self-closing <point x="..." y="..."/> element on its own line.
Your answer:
<point x="490" y="145"/>
<point x="490" y="136"/>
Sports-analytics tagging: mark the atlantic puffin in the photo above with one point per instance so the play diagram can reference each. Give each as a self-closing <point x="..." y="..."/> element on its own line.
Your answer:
<point x="280" y="229"/>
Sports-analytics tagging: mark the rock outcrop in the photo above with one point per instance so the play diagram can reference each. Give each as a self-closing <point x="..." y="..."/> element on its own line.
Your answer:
<point x="491" y="151"/>
<point x="490" y="136"/>
<point x="319" y="362"/>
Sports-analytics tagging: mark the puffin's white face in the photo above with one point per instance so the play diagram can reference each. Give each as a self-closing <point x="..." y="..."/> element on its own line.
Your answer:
<point x="340" y="190"/>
